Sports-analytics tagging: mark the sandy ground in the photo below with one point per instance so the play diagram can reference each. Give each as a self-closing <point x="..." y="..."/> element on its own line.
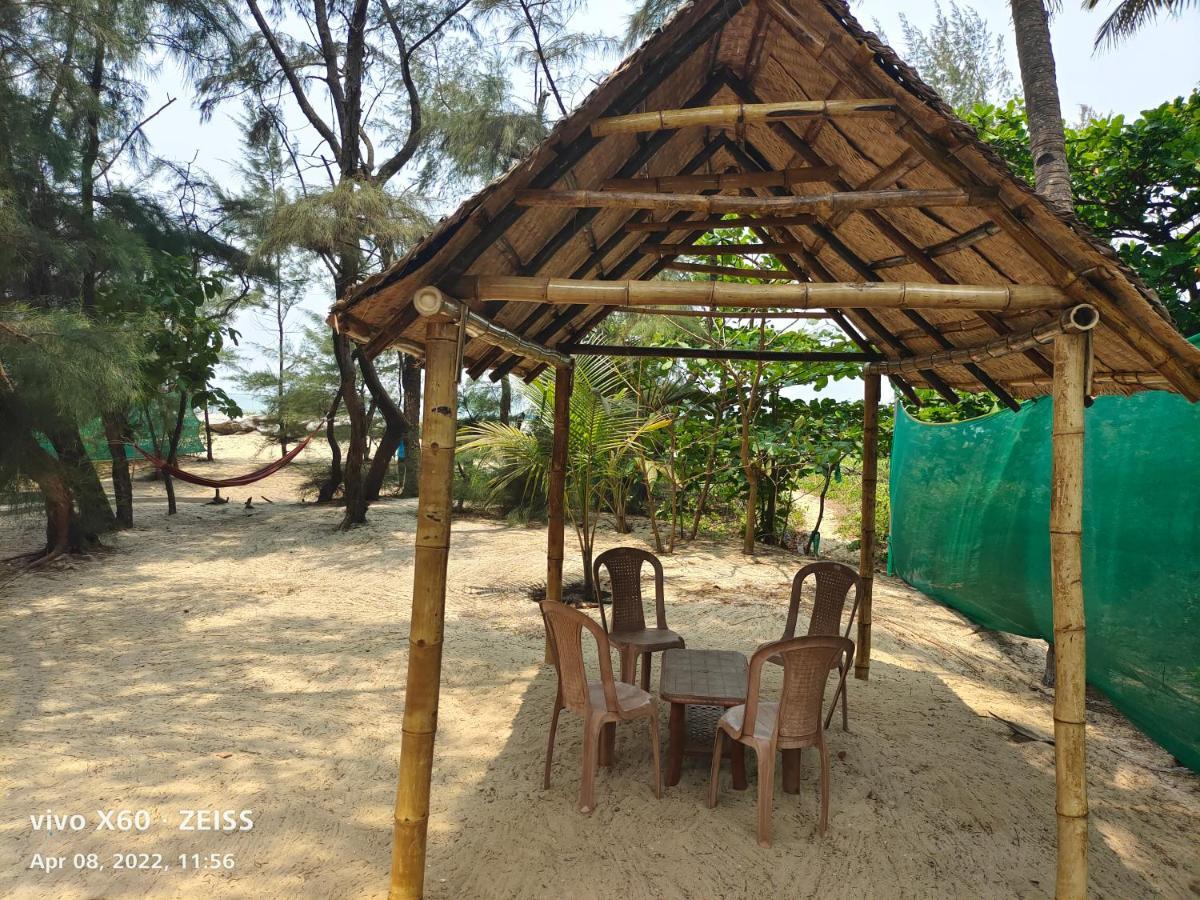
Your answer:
<point x="233" y="659"/>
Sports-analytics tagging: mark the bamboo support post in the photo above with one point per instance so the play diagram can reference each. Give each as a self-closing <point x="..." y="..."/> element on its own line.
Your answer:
<point x="718" y="204"/>
<point x="556" y="488"/>
<point x="1071" y="364"/>
<point x="731" y="114"/>
<point x="426" y="625"/>
<point x="1076" y="320"/>
<point x="723" y="181"/>
<point x="430" y="301"/>
<point x="807" y="295"/>
<point x="866" y="551"/>
<point x="708" y="223"/>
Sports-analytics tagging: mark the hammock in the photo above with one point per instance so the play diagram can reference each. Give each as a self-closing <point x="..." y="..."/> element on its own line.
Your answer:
<point x="237" y="481"/>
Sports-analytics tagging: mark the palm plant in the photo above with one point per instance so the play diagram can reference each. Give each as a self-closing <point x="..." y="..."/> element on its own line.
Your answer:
<point x="605" y="428"/>
<point x="1131" y="16"/>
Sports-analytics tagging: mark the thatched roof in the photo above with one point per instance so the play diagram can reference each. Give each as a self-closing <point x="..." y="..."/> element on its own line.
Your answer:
<point x="730" y="51"/>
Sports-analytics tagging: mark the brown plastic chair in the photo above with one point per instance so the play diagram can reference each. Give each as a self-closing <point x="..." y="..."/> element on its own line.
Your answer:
<point x="629" y="633"/>
<point x="832" y="582"/>
<point x="598" y="702"/>
<point x="789" y="724"/>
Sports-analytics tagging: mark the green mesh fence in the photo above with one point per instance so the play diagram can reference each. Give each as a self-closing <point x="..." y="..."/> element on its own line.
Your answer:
<point x="191" y="440"/>
<point x="970" y="519"/>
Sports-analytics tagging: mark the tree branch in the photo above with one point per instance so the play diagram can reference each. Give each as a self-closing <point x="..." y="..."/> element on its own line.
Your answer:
<point x="289" y="73"/>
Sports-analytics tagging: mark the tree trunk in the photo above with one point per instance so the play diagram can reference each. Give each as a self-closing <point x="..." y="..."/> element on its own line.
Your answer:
<point x="207" y="431"/>
<point x="816" y="529"/>
<point x="352" y="474"/>
<point x="1047" y="142"/>
<point x="95" y="514"/>
<point x="752" y="477"/>
<point x="395" y="428"/>
<point x="771" y="535"/>
<point x="279" y="318"/>
<point x="650" y="505"/>
<point x="173" y="453"/>
<point x="505" y="400"/>
<point x="117" y="433"/>
<point x="334" y="480"/>
<point x="410" y="377"/>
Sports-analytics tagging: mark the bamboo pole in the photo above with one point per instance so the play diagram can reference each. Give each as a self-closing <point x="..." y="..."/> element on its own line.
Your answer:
<point x="722" y="181"/>
<point x="430" y="301"/>
<point x="810" y="356"/>
<point x="1071" y="363"/>
<point x="953" y="245"/>
<point x="728" y="271"/>
<point x="718" y="204"/>
<point x="806" y="295"/>
<point x="866" y="552"/>
<point x="1148" y="380"/>
<point x="693" y="249"/>
<point x="711" y="222"/>
<point x="556" y="489"/>
<point x="1076" y="320"/>
<point x="725" y="313"/>
<point x="438" y="426"/>
<point x="739" y="113"/>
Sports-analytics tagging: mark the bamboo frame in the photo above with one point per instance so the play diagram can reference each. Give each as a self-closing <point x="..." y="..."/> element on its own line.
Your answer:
<point x="866" y="551"/>
<point x="655" y="225"/>
<point x="845" y="295"/>
<point x="691" y="248"/>
<point x="731" y="114"/>
<point x="964" y="241"/>
<point x="726" y="271"/>
<point x="717" y="204"/>
<point x="722" y="181"/>
<point x="427" y="623"/>
<point x="430" y="301"/>
<point x="1072" y="354"/>
<point x="811" y="356"/>
<point x="725" y="313"/>
<point x="556" y="488"/>
<point x="1077" y="319"/>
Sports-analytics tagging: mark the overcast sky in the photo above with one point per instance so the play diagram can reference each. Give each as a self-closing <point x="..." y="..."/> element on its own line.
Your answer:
<point x="1159" y="64"/>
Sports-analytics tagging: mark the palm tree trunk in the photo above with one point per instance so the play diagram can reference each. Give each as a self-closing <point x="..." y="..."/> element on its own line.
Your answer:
<point x="1047" y="142"/>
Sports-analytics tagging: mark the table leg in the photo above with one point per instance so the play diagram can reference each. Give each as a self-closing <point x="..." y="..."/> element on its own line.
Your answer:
<point x="678" y="735"/>
<point x="791" y="771"/>
<point x="738" y="764"/>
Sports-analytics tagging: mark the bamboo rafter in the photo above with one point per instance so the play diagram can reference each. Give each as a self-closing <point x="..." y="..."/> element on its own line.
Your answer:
<point x="955" y="244"/>
<point x="722" y="181"/>
<point x="694" y="249"/>
<point x="846" y="295"/>
<point x="729" y="271"/>
<point x="722" y="222"/>
<point x="1075" y="320"/>
<point x="731" y="114"/>
<point x="826" y="204"/>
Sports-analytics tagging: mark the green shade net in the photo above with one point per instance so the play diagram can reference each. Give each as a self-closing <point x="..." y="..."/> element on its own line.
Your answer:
<point x="970" y="528"/>
<point x="191" y="439"/>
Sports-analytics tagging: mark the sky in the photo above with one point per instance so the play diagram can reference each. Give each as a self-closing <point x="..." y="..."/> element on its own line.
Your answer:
<point x="1157" y="65"/>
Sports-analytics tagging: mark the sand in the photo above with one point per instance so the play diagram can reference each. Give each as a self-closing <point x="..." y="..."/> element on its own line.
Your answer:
<point x="234" y="659"/>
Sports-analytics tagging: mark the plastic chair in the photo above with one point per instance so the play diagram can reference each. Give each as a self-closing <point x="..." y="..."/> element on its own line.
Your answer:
<point x="789" y="724"/>
<point x="629" y="633"/>
<point x="832" y="582"/>
<point x="599" y="703"/>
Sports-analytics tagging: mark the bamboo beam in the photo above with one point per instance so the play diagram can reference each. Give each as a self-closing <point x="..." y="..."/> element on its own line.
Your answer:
<point x="826" y="204"/>
<point x="953" y="245"/>
<point x="866" y="552"/>
<point x="722" y="181"/>
<point x="722" y="222"/>
<point x="725" y="313"/>
<point x="1071" y="363"/>
<point x="845" y="295"/>
<point x="430" y="301"/>
<point x="426" y="624"/>
<point x="556" y="489"/>
<point x="732" y="114"/>
<point x="694" y="249"/>
<point x="1075" y="320"/>
<point x="729" y="271"/>
<point x="624" y="350"/>
<point x="1149" y="381"/>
